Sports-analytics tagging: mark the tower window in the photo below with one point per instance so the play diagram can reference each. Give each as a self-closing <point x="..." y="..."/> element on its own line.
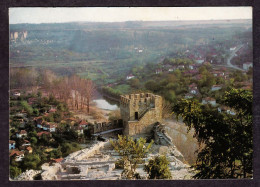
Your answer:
<point x="136" y="115"/>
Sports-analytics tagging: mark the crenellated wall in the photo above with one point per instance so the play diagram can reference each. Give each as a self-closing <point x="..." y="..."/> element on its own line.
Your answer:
<point x="139" y="112"/>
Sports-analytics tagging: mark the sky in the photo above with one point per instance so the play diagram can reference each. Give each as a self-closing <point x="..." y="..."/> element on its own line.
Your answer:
<point x="120" y="14"/>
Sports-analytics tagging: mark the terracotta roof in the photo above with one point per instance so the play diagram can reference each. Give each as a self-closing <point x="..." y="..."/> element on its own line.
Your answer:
<point x="83" y="122"/>
<point x="23" y="132"/>
<point x="209" y="99"/>
<point x="43" y="132"/>
<point x="11" y="141"/>
<point x="15" y="152"/>
<point x="57" y="160"/>
<point x="29" y="148"/>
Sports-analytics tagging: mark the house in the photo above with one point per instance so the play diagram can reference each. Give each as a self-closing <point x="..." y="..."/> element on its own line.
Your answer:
<point x="52" y="110"/>
<point x="227" y="110"/>
<point x="26" y="143"/>
<point x="194" y="91"/>
<point x="29" y="149"/>
<point x="247" y="65"/>
<point x="140" y="51"/>
<point x="40" y="134"/>
<point x="158" y="71"/>
<point x="83" y="124"/>
<point x="180" y="66"/>
<point x="21" y="134"/>
<point x="11" y="144"/>
<point x="216" y="87"/>
<point x="18" y="155"/>
<point x="51" y="127"/>
<point x="129" y="77"/>
<point x="232" y="48"/>
<point x="17" y="94"/>
<point x="57" y="160"/>
<point x="197" y="77"/>
<point x="193" y="86"/>
<point x="171" y="69"/>
<point x="32" y="101"/>
<point x="192" y="66"/>
<point x="39" y="121"/>
<point x="79" y="130"/>
<point x="188" y="96"/>
<point x="218" y="73"/>
<point x="199" y="60"/>
<point x="209" y="100"/>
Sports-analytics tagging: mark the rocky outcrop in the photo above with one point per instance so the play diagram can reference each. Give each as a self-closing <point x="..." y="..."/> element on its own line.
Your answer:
<point x="28" y="175"/>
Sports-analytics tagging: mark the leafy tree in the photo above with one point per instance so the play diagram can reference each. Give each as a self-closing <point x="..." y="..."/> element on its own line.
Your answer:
<point x="36" y="112"/>
<point x="31" y="161"/>
<point x="27" y="107"/>
<point x="227" y="139"/>
<point x="132" y="153"/>
<point x="158" y="168"/>
<point x="15" y="171"/>
<point x="33" y="140"/>
<point x="135" y="83"/>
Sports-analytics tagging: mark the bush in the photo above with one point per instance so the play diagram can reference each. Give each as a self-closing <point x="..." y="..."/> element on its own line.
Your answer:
<point x="158" y="168"/>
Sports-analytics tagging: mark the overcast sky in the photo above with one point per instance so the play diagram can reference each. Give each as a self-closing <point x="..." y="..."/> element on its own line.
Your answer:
<point x="119" y="14"/>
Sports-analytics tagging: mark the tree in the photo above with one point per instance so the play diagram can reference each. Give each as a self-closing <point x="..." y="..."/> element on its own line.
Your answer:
<point x="33" y="140"/>
<point x="227" y="139"/>
<point x="135" y="83"/>
<point x="158" y="168"/>
<point x="31" y="161"/>
<point x="15" y="171"/>
<point x="132" y="153"/>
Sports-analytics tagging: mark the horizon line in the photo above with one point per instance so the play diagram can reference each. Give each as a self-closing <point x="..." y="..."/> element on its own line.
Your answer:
<point x="131" y="21"/>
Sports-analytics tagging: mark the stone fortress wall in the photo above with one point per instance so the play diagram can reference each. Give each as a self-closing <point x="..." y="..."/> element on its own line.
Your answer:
<point x="140" y="112"/>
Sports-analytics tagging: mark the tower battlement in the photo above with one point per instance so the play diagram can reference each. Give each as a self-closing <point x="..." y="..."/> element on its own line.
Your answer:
<point x="135" y="108"/>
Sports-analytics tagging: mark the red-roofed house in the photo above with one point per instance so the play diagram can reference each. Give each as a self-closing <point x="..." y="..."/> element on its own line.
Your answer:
<point x="29" y="149"/>
<point x="129" y="77"/>
<point x="21" y="134"/>
<point x="18" y="155"/>
<point x="39" y="134"/>
<point x="83" y="124"/>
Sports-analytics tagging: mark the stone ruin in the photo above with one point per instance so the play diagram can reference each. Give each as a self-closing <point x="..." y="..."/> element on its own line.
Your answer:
<point x="139" y="112"/>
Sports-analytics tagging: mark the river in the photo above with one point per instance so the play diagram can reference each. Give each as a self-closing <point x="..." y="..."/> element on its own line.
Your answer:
<point x="105" y="103"/>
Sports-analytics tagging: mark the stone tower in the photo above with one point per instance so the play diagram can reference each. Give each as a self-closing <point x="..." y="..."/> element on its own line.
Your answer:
<point x="139" y="112"/>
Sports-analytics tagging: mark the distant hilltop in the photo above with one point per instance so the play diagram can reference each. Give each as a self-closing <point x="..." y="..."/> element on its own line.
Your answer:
<point x="130" y="24"/>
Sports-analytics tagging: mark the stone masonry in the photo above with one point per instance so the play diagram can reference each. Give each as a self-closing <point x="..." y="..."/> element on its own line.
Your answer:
<point x="140" y="112"/>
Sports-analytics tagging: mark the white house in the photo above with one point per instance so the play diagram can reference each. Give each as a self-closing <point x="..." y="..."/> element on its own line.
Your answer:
<point x="216" y="87"/>
<point x="129" y="77"/>
<point x="209" y="100"/>
<point x="247" y="65"/>
<point x="158" y="71"/>
<point x="188" y="96"/>
<point x="199" y="60"/>
<point x="19" y="155"/>
<point x="17" y="94"/>
<point x="233" y="48"/>
<point x="21" y="134"/>
<point x="49" y="127"/>
<point x="11" y="144"/>
<point x="227" y="110"/>
<point x="192" y="66"/>
<point x="194" y="91"/>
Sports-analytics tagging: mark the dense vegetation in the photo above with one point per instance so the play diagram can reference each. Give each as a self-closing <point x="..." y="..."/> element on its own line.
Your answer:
<point x="227" y="150"/>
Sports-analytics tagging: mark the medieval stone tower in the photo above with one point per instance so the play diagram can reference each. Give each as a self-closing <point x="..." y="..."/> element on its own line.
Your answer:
<point x="139" y="112"/>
